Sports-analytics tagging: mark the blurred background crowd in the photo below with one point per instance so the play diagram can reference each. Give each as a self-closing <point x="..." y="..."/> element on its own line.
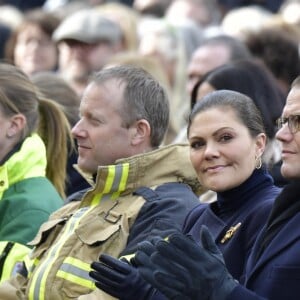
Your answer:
<point x="60" y="43"/>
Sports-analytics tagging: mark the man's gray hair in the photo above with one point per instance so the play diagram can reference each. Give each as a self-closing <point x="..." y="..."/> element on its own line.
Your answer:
<point x="144" y="98"/>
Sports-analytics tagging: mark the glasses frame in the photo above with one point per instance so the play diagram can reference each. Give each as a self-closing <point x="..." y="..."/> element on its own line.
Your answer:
<point x="293" y="122"/>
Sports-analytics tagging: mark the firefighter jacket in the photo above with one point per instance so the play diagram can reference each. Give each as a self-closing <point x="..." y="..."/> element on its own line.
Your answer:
<point x="27" y="198"/>
<point x="111" y="218"/>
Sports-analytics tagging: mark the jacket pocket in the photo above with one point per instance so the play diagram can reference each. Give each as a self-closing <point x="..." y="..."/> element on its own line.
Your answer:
<point x="93" y="238"/>
<point x="46" y="236"/>
<point x="97" y="233"/>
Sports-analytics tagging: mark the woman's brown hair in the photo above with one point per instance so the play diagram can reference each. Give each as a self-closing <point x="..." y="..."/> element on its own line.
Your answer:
<point x="19" y="95"/>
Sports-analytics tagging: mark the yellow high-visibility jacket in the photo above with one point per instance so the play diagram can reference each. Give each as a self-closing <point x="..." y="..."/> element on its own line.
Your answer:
<point x="27" y="198"/>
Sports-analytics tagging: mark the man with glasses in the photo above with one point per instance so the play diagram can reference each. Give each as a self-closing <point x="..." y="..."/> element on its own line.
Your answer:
<point x="273" y="268"/>
<point x="293" y="122"/>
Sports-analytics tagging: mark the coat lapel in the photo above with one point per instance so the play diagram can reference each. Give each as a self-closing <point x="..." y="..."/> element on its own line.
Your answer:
<point x="288" y="234"/>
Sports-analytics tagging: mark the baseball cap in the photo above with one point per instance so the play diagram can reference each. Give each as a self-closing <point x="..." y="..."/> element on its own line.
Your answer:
<point x="88" y="26"/>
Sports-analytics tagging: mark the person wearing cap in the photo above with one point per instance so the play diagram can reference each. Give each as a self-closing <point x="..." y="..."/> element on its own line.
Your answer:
<point x="86" y="40"/>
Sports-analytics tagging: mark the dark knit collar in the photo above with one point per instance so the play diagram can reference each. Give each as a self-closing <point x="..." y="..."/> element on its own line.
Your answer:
<point x="232" y="199"/>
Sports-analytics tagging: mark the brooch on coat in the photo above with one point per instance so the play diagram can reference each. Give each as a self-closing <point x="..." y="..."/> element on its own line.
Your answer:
<point x="230" y="232"/>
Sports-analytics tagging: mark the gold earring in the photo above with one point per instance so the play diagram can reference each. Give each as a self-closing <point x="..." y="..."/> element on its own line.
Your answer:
<point x="258" y="162"/>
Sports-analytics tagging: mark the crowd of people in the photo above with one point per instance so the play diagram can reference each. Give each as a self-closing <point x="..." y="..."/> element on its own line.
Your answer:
<point x="149" y="149"/>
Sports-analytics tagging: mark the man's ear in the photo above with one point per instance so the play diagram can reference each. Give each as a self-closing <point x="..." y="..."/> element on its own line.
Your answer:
<point x="141" y="132"/>
<point x="17" y="124"/>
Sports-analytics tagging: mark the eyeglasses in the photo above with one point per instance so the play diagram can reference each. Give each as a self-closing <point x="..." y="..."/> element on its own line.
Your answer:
<point x="293" y="122"/>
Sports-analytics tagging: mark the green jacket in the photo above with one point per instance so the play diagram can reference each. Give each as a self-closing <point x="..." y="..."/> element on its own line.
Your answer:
<point x="25" y="206"/>
<point x="27" y="198"/>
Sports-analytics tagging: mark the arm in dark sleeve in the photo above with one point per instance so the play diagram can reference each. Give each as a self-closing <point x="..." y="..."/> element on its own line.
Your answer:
<point x="163" y="213"/>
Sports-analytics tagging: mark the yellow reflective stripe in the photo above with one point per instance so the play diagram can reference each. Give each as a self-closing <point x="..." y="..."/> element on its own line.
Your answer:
<point x="76" y="271"/>
<point x="123" y="180"/>
<point x="30" y="264"/>
<point x="77" y="280"/>
<point x="115" y="183"/>
<point x="109" y="179"/>
<point x="118" y="171"/>
<point x="108" y="185"/>
<point x="38" y="284"/>
<point x="96" y="200"/>
<point x="77" y="262"/>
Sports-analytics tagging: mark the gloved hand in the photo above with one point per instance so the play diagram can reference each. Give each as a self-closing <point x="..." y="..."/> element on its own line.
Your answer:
<point x="147" y="247"/>
<point x="143" y="262"/>
<point x="182" y="269"/>
<point x="119" y="279"/>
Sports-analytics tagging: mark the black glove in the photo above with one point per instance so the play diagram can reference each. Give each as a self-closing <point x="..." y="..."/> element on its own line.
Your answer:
<point x="119" y="279"/>
<point x="182" y="269"/>
<point x="142" y="260"/>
